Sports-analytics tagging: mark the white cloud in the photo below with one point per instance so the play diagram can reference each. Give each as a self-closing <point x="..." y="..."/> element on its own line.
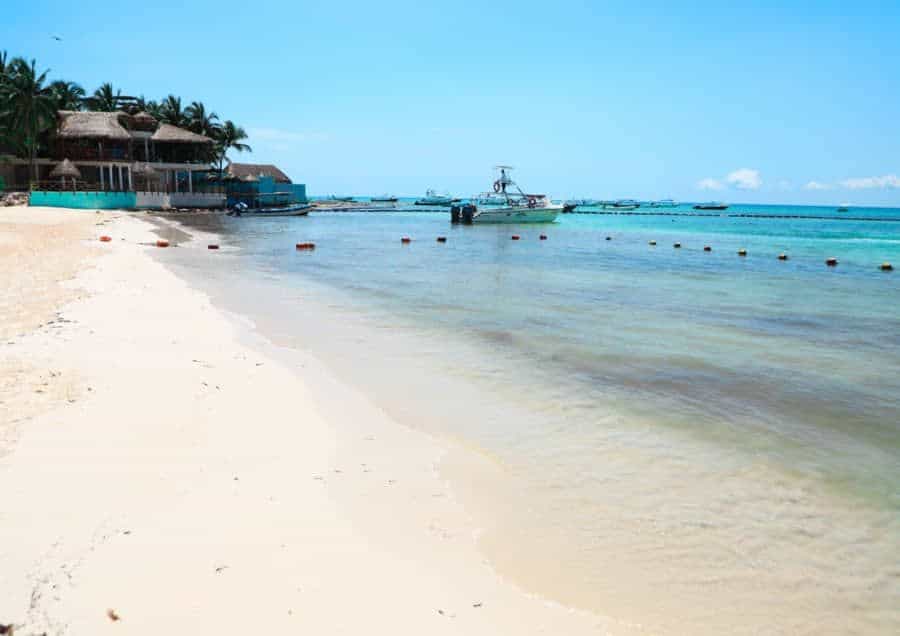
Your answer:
<point x="816" y="185"/>
<point x="863" y="183"/>
<point x="709" y="184"/>
<point x="745" y="179"/>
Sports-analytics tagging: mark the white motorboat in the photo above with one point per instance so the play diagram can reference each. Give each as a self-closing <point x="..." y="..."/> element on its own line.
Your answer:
<point x="504" y="205"/>
<point x="433" y="198"/>
<point x="294" y="209"/>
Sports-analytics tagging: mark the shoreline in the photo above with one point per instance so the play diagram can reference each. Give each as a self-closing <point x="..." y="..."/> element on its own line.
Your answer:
<point x="189" y="480"/>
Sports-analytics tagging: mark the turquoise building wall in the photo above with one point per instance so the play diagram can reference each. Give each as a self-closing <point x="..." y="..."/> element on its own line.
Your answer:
<point x="84" y="200"/>
<point x="292" y="192"/>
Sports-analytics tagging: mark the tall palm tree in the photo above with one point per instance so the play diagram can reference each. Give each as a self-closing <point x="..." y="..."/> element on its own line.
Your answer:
<point x="105" y="99"/>
<point x="229" y="137"/>
<point x="67" y="95"/>
<point x="200" y="121"/>
<point x="170" y="112"/>
<point x="27" y="105"/>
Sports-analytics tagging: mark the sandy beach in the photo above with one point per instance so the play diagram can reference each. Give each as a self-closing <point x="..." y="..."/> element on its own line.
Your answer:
<point x="159" y="475"/>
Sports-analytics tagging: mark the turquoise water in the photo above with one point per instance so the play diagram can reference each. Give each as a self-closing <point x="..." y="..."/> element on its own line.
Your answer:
<point x="732" y="419"/>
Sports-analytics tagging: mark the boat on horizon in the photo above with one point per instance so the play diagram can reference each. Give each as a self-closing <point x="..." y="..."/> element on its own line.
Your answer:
<point x="502" y="205"/>
<point x="843" y="207"/>
<point x="663" y="203"/>
<point x="341" y="199"/>
<point x="433" y="198"/>
<point x="384" y="199"/>
<point x="620" y="204"/>
<point x="711" y="205"/>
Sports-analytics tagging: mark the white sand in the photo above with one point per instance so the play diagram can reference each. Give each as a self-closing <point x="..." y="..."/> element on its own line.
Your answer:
<point x="154" y="465"/>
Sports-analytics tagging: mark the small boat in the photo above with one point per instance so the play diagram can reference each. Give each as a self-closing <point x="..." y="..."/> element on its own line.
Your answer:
<point x="663" y="203"/>
<point x="505" y="206"/>
<point x="844" y="207"/>
<point x="384" y="199"/>
<point x="342" y="199"/>
<point x="433" y="198"/>
<point x="711" y="205"/>
<point x="621" y="204"/>
<point x="295" y="209"/>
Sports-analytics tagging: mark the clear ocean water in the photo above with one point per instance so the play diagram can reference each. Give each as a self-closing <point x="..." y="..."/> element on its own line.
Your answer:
<point x="686" y="441"/>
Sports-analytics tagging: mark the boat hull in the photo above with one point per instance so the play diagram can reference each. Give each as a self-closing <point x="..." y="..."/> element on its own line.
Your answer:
<point x="286" y="211"/>
<point x="516" y="215"/>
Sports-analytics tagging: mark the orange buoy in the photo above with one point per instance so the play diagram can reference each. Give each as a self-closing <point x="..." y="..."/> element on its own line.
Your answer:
<point x="405" y="239"/>
<point x="886" y="267"/>
<point x="742" y="252"/>
<point x="442" y="239"/>
<point x="831" y="261"/>
<point x="707" y="248"/>
<point x="543" y="237"/>
<point x="306" y="246"/>
<point x="212" y="246"/>
<point x="162" y="243"/>
<point x="515" y="237"/>
<point x="653" y="243"/>
<point x="782" y="257"/>
<point x="105" y="239"/>
<point x="677" y="245"/>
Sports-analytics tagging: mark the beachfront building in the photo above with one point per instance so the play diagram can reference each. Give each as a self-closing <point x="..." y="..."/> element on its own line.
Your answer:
<point x="260" y="185"/>
<point x="114" y="159"/>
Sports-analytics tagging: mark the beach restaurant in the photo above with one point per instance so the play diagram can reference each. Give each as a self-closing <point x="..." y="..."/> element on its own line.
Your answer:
<point x="117" y="160"/>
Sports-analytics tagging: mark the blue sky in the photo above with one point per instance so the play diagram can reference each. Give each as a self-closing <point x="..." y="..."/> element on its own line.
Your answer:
<point x="761" y="102"/>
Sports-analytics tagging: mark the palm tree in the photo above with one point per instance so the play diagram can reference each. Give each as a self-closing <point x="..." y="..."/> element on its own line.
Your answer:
<point x="170" y="112"/>
<point x="229" y="137"/>
<point x="200" y="121"/>
<point x="67" y="95"/>
<point x="105" y="99"/>
<point x="27" y="105"/>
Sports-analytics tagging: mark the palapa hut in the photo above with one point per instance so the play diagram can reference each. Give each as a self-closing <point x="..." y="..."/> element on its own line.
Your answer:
<point x="66" y="169"/>
<point x="146" y="179"/>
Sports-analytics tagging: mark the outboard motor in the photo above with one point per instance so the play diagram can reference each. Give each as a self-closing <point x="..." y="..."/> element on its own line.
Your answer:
<point x="454" y="214"/>
<point x="468" y="213"/>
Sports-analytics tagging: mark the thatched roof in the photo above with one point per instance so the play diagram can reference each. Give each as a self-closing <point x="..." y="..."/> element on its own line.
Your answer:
<point x="252" y="171"/>
<point x="95" y="125"/>
<point x="144" y="170"/>
<point x="65" y="168"/>
<point x="144" y="117"/>
<point x="173" y="134"/>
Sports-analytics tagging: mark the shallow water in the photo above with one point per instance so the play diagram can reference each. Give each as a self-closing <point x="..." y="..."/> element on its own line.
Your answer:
<point x="686" y="441"/>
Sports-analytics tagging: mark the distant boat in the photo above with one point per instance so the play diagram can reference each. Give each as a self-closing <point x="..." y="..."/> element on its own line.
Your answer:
<point x="342" y="199"/>
<point x="581" y="203"/>
<point x="433" y="198"/>
<point x="844" y="207"/>
<point x="296" y="209"/>
<point x="384" y="199"/>
<point x="505" y="206"/>
<point x="712" y="205"/>
<point x="621" y="204"/>
<point x="663" y="203"/>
